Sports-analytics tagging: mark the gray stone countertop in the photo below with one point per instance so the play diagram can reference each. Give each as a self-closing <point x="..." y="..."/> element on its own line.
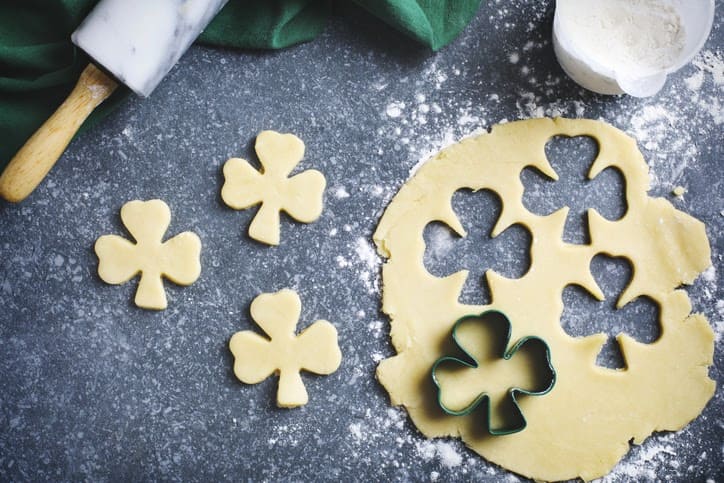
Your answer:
<point x="92" y="387"/>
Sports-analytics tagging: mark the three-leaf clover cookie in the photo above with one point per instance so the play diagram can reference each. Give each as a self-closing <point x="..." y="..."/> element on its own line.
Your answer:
<point x="300" y="195"/>
<point x="177" y="259"/>
<point x="256" y="357"/>
<point x="490" y="372"/>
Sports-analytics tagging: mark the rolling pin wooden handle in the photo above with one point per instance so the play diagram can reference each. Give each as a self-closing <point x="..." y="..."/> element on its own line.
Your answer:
<point x="30" y="165"/>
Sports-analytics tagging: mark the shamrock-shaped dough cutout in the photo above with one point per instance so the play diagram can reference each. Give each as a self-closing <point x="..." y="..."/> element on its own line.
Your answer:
<point x="256" y="357"/>
<point x="300" y="196"/>
<point x="176" y="259"/>
<point x="490" y="371"/>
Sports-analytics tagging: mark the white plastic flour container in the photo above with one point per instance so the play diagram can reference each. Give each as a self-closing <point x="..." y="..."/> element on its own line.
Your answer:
<point x="628" y="46"/>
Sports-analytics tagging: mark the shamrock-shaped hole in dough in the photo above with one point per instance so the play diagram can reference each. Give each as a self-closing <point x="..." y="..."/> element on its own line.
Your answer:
<point x="570" y="184"/>
<point x="637" y="318"/>
<point x="300" y="195"/>
<point x="488" y="372"/>
<point x="447" y="252"/>
<point x="284" y="353"/>
<point x="177" y="259"/>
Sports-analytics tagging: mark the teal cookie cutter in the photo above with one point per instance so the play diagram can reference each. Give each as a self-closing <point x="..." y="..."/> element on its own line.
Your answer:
<point x="473" y="363"/>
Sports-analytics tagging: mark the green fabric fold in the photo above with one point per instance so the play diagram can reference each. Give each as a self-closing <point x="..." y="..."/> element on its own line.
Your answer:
<point x="39" y="65"/>
<point x="264" y="24"/>
<point x="434" y="23"/>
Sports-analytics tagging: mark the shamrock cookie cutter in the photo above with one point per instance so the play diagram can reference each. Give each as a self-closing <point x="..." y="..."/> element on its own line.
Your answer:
<point x="473" y="363"/>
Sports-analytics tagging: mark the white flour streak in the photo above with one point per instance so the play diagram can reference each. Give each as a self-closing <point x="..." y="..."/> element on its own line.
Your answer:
<point x="695" y="82"/>
<point x="712" y="63"/>
<point x="341" y="193"/>
<point x="369" y="272"/>
<point x="448" y="456"/>
<point x="394" y="109"/>
<point x="366" y="253"/>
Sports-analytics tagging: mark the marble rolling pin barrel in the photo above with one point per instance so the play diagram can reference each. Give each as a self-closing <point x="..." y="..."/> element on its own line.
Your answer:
<point x="137" y="42"/>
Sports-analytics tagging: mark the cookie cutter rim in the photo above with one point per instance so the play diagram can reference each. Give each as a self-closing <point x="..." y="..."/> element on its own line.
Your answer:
<point x="507" y="355"/>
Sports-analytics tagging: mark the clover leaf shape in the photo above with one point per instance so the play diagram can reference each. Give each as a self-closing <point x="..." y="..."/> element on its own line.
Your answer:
<point x="256" y="358"/>
<point x="490" y="372"/>
<point x="482" y="250"/>
<point x="615" y="317"/>
<point x="177" y="259"/>
<point x="576" y="181"/>
<point x="300" y="196"/>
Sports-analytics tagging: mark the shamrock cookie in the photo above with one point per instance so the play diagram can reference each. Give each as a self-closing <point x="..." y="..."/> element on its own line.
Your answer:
<point x="583" y="426"/>
<point x="177" y="259"/>
<point x="256" y="357"/>
<point x="300" y="196"/>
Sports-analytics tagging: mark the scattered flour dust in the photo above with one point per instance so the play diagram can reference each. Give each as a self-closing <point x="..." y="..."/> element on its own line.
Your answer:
<point x="356" y="430"/>
<point x="449" y="454"/>
<point x="710" y="288"/>
<point x="709" y="64"/>
<point x="365" y="262"/>
<point x="646" y="463"/>
<point x="444" y="450"/>
<point x="286" y="435"/>
<point x="366" y="253"/>
<point x="447" y="139"/>
<point x="709" y="275"/>
<point x="719" y="324"/>
<point x="440" y="243"/>
<point x="665" y="125"/>
<point x="341" y="193"/>
<point x="708" y="282"/>
<point x="362" y="260"/>
<point x="422" y="126"/>
<point x="695" y="81"/>
<point x="377" y="357"/>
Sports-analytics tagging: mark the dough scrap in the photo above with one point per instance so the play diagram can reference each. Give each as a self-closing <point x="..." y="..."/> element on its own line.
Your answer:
<point x="315" y="349"/>
<point x="177" y="259"/>
<point x="300" y="196"/>
<point x="583" y="426"/>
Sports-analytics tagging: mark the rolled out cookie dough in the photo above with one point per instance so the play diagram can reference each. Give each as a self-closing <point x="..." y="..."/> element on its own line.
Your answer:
<point x="582" y="427"/>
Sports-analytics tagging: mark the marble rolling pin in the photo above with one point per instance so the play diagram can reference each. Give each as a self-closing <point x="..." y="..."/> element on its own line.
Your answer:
<point x="138" y="42"/>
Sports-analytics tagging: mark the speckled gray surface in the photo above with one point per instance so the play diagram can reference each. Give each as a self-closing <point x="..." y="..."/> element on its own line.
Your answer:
<point x="94" y="388"/>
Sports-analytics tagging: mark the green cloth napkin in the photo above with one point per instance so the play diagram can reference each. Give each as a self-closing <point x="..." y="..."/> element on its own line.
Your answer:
<point x="39" y="65"/>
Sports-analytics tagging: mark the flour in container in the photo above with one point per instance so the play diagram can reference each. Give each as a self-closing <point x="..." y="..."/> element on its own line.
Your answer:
<point x="638" y="37"/>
